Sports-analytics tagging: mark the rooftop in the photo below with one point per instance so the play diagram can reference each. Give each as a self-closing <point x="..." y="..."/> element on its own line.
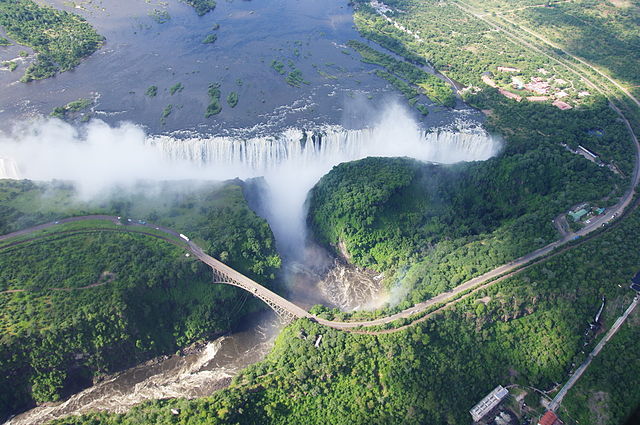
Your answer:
<point x="549" y="418"/>
<point x="489" y="402"/>
<point x="508" y="69"/>
<point x="562" y="105"/>
<point x="577" y="215"/>
<point x="510" y="95"/>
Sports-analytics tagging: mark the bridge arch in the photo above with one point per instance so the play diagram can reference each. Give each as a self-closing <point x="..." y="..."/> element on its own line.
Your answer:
<point x="285" y="314"/>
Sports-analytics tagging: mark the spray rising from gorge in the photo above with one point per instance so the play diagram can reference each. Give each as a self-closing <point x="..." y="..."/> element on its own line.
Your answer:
<point x="97" y="157"/>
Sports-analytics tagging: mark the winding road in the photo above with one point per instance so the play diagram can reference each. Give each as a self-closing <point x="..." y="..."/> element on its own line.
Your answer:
<point x="288" y="310"/>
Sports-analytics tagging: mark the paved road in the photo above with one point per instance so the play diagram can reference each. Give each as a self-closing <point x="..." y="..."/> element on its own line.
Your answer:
<point x="236" y="278"/>
<point x="290" y="310"/>
<point x="555" y="403"/>
<point x="279" y="303"/>
<point x="44" y="226"/>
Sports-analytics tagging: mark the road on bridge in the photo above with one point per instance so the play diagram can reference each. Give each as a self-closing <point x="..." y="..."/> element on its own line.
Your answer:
<point x="289" y="310"/>
<point x="283" y="307"/>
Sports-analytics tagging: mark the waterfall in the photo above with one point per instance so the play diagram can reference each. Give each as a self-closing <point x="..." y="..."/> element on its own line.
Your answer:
<point x="99" y="156"/>
<point x="8" y="169"/>
<point x="293" y="161"/>
<point x="330" y="146"/>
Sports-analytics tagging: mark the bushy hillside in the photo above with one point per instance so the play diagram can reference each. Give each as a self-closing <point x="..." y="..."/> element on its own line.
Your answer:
<point x="84" y="302"/>
<point x="523" y="332"/>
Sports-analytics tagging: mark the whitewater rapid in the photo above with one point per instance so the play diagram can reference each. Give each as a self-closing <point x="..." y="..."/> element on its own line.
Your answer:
<point x="197" y="373"/>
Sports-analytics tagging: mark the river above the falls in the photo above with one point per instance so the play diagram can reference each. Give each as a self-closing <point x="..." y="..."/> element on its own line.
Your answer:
<point x="139" y="52"/>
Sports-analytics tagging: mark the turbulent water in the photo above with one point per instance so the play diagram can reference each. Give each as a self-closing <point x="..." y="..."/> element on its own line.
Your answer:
<point x="319" y="278"/>
<point x="293" y="161"/>
<point x="97" y="156"/>
<point x="195" y="374"/>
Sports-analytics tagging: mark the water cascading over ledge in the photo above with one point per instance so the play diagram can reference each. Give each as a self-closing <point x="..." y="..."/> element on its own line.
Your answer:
<point x="9" y="169"/>
<point x="294" y="161"/>
<point x="330" y="145"/>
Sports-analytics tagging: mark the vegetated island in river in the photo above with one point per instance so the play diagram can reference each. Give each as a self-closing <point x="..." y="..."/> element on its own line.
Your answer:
<point x="60" y="39"/>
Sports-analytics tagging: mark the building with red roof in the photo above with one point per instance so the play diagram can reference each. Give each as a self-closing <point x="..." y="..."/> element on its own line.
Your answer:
<point x="549" y="418"/>
<point x="561" y="105"/>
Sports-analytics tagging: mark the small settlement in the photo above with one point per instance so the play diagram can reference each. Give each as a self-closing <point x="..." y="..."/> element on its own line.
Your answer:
<point x="541" y="87"/>
<point x="584" y="213"/>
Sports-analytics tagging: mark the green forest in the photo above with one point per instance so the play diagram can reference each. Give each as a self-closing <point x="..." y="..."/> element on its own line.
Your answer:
<point x="85" y="303"/>
<point x="79" y="305"/>
<point x="523" y="332"/>
<point x="215" y="215"/>
<point x="433" y="227"/>
<point x="202" y="7"/>
<point x="59" y="38"/>
<point x="438" y="226"/>
<point x="599" y="393"/>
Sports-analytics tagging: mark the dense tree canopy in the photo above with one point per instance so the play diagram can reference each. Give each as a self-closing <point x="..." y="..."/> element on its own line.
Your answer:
<point x="87" y="304"/>
<point x="523" y="332"/>
<point x="60" y="39"/>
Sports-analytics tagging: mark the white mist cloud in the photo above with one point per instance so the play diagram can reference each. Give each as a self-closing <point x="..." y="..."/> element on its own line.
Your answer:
<point x="95" y="157"/>
<point x="98" y="156"/>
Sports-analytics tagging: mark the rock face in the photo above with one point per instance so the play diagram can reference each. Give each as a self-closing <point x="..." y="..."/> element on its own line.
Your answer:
<point x="343" y="251"/>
